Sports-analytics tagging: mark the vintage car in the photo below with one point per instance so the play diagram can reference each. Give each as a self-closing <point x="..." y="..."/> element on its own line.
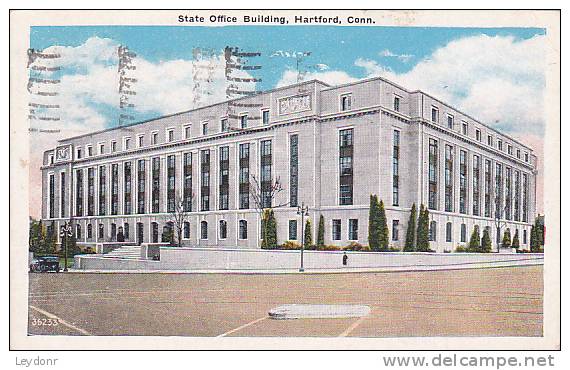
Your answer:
<point x="45" y="264"/>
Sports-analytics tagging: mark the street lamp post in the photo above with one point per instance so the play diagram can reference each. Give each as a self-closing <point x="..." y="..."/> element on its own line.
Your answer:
<point x="303" y="211"/>
<point x="65" y="233"/>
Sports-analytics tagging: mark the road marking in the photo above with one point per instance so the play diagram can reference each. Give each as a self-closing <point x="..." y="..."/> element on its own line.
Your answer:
<point x="60" y="320"/>
<point x="352" y="327"/>
<point x="242" y="327"/>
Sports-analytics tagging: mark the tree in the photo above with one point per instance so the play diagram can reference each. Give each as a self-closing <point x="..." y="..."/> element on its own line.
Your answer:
<point x="411" y="232"/>
<point x="263" y="195"/>
<point x="269" y="226"/>
<point x="178" y="216"/>
<point x="321" y="232"/>
<point x="475" y="240"/>
<point x="537" y="235"/>
<point x="516" y="242"/>
<point x="506" y="239"/>
<point x="49" y="239"/>
<point x="383" y="227"/>
<point x="423" y="231"/>
<point x="373" y="226"/>
<point x="308" y="234"/>
<point x="486" y="244"/>
<point x="35" y="240"/>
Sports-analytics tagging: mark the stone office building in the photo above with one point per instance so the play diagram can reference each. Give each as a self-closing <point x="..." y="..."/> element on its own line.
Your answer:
<point x="330" y="146"/>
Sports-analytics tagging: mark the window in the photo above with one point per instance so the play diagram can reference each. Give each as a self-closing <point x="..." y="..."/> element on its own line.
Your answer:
<point x="141" y="185"/>
<point x="127" y="144"/>
<point x="188" y="195"/>
<point x="155" y="181"/>
<point x="114" y="189"/>
<point x="293" y="170"/>
<point x="244" y="176"/>
<point x="50" y="161"/>
<point x="395" y="235"/>
<point x="170" y="183"/>
<point x="476" y="184"/>
<point x="526" y="157"/>
<point x="62" y="196"/>
<point x="448" y="232"/>
<point x="127" y="191"/>
<point x="518" y="153"/>
<point x="448" y="178"/>
<point x="489" y="140"/>
<point x="78" y="231"/>
<point x="140" y="142"/>
<point x="345" y="166"/>
<point x="450" y="122"/>
<point x="525" y="198"/>
<point x="487" y="188"/>
<point x="265" y="116"/>
<point x="336" y="229"/>
<point x="463" y="233"/>
<point x="101" y="148"/>
<point x="265" y="178"/>
<point x="224" y="186"/>
<point x="396" y="168"/>
<point x="205" y="180"/>
<point x="463" y="182"/>
<point x="187" y="132"/>
<point x="478" y="135"/>
<point x="432" y="174"/>
<point x="524" y="236"/>
<point x="508" y="192"/>
<point x="223" y="229"/>
<point x="89" y="151"/>
<point x="465" y="128"/>
<point x="170" y="135"/>
<point x="292" y="229"/>
<point x="51" y="195"/>
<point x="205" y="128"/>
<point x="510" y="149"/>
<point x="79" y="192"/>
<point x="499" y="190"/>
<point x="225" y="127"/>
<point x="353" y="229"/>
<point x="113" y="232"/>
<point x="397" y="103"/>
<point x="345" y="102"/>
<point x="79" y="153"/>
<point x="102" y="190"/>
<point x="101" y="232"/>
<point x="154" y="231"/>
<point x="90" y="191"/>
<point x="203" y="230"/>
<point x="113" y="146"/>
<point x="434" y="114"/>
<point x="243" y="229"/>
<point x="500" y="144"/>
<point x="243" y="121"/>
<point x="89" y="231"/>
<point x="517" y="212"/>
<point x="154" y="138"/>
<point x="126" y="230"/>
<point x="186" y="231"/>
<point x="432" y="231"/>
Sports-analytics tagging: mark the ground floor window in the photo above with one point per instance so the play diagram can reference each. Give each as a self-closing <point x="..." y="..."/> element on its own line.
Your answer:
<point x="463" y="233"/>
<point x="448" y="232"/>
<point x="186" y="230"/>
<point x="223" y="229"/>
<point x="78" y="231"/>
<point x="524" y="236"/>
<point x="203" y="230"/>
<point x="432" y="231"/>
<point x="336" y="229"/>
<point x="242" y="229"/>
<point x="126" y="231"/>
<point x="89" y="231"/>
<point x="101" y="232"/>
<point x="154" y="232"/>
<point x="353" y="229"/>
<point x="292" y="229"/>
<point x="395" y="224"/>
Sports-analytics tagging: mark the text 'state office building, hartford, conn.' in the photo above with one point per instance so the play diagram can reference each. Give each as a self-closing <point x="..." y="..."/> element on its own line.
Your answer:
<point x="330" y="146"/>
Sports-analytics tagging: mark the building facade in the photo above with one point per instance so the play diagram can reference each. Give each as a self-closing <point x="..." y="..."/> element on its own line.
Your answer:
<point x="331" y="147"/>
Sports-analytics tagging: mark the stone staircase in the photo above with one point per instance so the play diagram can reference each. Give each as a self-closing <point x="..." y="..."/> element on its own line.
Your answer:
<point x="132" y="252"/>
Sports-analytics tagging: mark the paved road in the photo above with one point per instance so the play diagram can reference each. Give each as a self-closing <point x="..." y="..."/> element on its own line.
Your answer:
<point x="482" y="302"/>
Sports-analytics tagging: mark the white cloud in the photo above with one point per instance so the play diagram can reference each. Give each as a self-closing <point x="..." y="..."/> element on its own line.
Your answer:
<point x="330" y="77"/>
<point x="387" y="53"/>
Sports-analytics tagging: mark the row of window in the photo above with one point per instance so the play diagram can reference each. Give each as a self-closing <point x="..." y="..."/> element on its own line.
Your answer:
<point x="465" y="131"/>
<point x="170" y="136"/>
<point x="505" y="195"/>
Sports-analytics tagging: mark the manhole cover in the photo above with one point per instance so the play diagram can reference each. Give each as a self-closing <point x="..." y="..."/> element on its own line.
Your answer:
<point x="318" y="311"/>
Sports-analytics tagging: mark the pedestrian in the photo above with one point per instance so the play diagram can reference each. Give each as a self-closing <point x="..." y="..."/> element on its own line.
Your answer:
<point x="344" y="259"/>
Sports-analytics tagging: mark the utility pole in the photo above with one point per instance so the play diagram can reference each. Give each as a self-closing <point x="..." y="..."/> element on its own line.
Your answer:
<point x="303" y="211"/>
